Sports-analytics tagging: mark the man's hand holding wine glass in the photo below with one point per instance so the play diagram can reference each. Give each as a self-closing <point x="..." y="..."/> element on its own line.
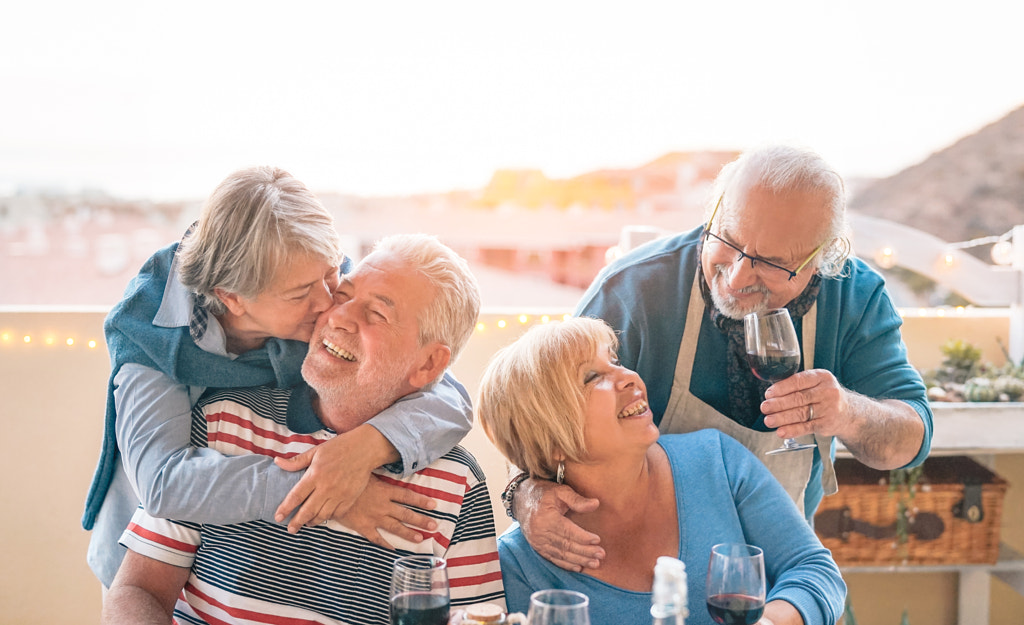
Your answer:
<point x="808" y="402"/>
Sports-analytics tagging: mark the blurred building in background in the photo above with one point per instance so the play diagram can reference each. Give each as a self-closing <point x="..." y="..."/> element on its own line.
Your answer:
<point x="533" y="240"/>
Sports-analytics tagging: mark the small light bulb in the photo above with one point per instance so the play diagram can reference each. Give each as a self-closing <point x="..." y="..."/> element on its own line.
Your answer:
<point x="480" y="327"/>
<point x="92" y="344"/>
<point x="70" y="342"/>
<point x="1002" y="253"/>
<point x="960" y="310"/>
<point x="6" y="337"/>
<point x="523" y="318"/>
<point x="566" y="317"/>
<point x="501" y="323"/>
<point x="545" y="319"/>
<point x="886" y="257"/>
<point x="941" y="312"/>
<point x="49" y="340"/>
<point x="949" y="259"/>
<point x="27" y="339"/>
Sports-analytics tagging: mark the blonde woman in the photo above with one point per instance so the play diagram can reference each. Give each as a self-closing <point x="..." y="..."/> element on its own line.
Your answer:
<point x="558" y="405"/>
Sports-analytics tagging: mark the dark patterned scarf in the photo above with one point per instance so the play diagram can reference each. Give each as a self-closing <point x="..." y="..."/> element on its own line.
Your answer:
<point x="746" y="391"/>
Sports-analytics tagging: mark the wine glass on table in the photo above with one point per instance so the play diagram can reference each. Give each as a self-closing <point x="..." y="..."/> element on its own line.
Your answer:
<point x="773" y="354"/>
<point x="419" y="591"/>
<point x="735" y="584"/>
<point x="559" y="607"/>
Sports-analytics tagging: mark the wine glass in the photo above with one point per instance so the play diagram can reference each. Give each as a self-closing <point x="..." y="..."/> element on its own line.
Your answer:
<point x="735" y="584"/>
<point x="559" y="607"/>
<point x="773" y="354"/>
<point x="419" y="591"/>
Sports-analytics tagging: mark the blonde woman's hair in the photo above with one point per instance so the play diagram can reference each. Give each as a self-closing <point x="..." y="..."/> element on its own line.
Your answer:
<point x="451" y="316"/>
<point x="254" y="222"/>
<point x="532" y="399"/>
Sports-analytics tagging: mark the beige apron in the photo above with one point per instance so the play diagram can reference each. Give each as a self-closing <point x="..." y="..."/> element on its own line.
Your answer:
<point x="687" y="413"/>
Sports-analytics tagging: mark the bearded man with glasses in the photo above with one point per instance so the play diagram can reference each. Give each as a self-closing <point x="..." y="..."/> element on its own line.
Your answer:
<point x="775" y="237"/>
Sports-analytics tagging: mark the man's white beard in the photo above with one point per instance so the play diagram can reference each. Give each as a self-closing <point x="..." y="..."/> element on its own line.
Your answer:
<point x="728" y="305"/>
<point x="353" y="400"/>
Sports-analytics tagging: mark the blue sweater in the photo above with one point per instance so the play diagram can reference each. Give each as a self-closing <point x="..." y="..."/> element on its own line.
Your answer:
<point x="133" y="338"/>
<point x="644" y="297"/>
<point x="723" y="494"/>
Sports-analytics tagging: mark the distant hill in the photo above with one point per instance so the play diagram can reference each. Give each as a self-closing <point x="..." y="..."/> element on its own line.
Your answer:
<point x="971" y="189"/>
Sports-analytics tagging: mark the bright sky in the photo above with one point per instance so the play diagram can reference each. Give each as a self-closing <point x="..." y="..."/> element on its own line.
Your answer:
<point x="164" y="99"/>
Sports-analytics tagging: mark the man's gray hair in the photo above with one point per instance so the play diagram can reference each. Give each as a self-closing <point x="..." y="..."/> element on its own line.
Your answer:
<point x="780" y="168"/>
<point x="451" y="317"/>
<point x="255" y="221"/>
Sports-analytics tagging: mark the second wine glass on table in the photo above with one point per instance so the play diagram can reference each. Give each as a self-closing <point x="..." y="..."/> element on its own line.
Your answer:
<point x="773" y="354"/>
<point x="735" y="586"/>
<point x="559" y="607"/>
<point x="419" y="591"/>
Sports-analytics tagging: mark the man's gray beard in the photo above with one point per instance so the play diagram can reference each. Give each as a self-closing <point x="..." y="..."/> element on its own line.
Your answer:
<point x="728" y="305"/>
<point x="359" y="405"/>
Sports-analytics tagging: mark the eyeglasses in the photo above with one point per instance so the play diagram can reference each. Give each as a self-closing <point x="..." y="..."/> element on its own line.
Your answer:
<point x="764" y="268"/>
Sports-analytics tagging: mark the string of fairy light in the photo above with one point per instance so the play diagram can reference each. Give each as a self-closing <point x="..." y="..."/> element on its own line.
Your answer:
<point x="503" y="323"/>
<point x="1001" y="252"/>
<point x="12" y="338"/>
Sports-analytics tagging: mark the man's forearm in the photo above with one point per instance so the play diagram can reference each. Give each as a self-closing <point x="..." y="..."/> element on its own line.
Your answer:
<point x="883" y="434"/>
<point x="130" y="605"/>
<point x="144" y="592"/>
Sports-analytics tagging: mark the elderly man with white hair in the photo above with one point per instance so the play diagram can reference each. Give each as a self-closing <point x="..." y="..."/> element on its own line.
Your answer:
<point x="775" y="237"/>
<point x="400" y="318"/>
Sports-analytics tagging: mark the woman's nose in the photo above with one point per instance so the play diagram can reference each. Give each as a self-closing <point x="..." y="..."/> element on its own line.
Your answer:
<point x="323" y="297"/>
<point x="628" y="378"/>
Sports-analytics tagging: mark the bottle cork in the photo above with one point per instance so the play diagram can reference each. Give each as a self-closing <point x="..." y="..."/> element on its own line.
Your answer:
<point x="484" y="613"/>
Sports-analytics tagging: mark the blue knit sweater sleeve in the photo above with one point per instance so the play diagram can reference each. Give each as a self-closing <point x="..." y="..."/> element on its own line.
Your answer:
<point x="863" y="346"/>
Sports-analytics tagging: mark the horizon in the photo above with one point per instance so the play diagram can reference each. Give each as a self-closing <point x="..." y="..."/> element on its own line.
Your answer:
<point x="142" y="100"/>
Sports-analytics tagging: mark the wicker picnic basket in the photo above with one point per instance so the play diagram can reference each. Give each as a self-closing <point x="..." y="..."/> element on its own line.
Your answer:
<point x="954" y="517"/>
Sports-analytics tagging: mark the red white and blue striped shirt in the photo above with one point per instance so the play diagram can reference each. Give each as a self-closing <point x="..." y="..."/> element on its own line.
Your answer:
<point x="258" y="573"/>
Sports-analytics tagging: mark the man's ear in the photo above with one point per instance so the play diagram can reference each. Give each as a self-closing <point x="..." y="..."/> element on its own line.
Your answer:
<point x="433" y="361"/>
<point x="232" y="301"/>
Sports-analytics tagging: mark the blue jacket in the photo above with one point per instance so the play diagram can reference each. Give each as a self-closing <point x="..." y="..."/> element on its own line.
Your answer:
<point x="133" y="338"/>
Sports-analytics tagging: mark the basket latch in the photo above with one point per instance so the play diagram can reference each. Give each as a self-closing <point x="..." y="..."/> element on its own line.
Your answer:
<point x="969" y="508"/>
<point x="835" y="523"/>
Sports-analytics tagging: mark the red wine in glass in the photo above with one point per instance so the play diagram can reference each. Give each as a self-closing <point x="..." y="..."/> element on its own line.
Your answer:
<point x="735" y="609"/>
<point x="420" y="608"/>
<point x="773" y="354"/>
<point x="774" y="364"/>
<point x="419" y="591"/>
<point x="735" y="586"/>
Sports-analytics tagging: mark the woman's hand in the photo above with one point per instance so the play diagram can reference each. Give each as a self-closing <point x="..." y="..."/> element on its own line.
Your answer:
<point x="384" y="506"/>
<point x="337" y="473"/>
<point x="540" y="507"/>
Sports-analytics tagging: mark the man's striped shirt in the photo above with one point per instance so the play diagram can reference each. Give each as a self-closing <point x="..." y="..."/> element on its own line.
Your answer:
<point x="257" y="572"/>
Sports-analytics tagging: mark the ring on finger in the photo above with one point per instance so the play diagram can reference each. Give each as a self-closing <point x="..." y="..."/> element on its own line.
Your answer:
<point x="810" y="412"/>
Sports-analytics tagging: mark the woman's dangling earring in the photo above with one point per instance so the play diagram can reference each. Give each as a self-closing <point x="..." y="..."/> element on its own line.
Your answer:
<point x="560" y="475"/>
